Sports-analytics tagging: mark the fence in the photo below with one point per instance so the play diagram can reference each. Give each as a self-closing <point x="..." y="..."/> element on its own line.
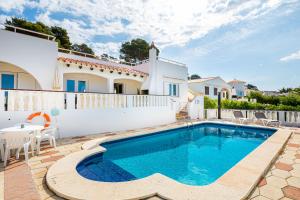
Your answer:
<point x="285" y="117"/>
<point x="23" y="100"/>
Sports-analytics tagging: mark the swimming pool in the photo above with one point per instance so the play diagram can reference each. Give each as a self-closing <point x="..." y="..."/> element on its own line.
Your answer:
<point x="195" y="156"/>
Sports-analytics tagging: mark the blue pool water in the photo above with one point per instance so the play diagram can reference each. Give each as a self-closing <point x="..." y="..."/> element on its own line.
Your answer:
<point x="193" y="156"/>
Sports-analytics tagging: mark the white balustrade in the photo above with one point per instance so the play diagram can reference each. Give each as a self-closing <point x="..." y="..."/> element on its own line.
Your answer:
<point x="286" y="117"/>
<point x="19" y="100"/>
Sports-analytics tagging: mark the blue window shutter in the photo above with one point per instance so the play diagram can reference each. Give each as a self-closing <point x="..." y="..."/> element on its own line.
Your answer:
<point x="70" y="85"/>
<point x="7" y="81"/>
<point x="81" y="86"/>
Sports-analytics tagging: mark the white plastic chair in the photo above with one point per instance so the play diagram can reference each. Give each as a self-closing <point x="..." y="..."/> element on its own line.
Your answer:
<point x="46" y="134"/>
<point x="16" y="140"/>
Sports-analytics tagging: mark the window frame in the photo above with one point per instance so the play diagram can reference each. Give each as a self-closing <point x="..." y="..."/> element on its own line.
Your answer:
<point x="206" y="90"/>
<point x="173" y="89"/>
<point x="215" y="91"/>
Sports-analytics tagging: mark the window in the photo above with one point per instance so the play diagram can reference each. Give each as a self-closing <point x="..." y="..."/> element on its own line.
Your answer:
<point x="70" y="85"/>
<point x="81" y="86"/>
<point x="118" y="87"/>
<point x="173" y="89"/>
<point x="240" y="93"/>
<point x="206" y="90"/>
<point x="7" y="81"/>
<point x="215" y="91"/>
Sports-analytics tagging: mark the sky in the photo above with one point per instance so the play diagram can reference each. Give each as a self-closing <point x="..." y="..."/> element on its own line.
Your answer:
<point x="257" y="41"/>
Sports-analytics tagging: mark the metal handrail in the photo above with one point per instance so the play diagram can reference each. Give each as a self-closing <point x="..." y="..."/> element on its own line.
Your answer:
<point x="171" y="61"/>
<point x="15" y="28"/>
<point x="63" y="50"/>
<point x="118" y="61"/>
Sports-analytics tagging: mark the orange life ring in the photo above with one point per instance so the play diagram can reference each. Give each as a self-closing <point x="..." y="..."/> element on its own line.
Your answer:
<point x="37" y="114"/>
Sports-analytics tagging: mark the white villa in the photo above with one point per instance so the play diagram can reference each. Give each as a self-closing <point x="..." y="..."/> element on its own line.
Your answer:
<point x="238" y="88"/>
<point x="35" y="75"/>
<point x="211" y="86"/>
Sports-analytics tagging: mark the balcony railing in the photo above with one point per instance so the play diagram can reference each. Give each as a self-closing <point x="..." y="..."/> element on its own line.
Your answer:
<point x="285" y="117"/>
<point x="28" y="32"/>
<point x="102" y="58"/>
<point x="24" y="100"/>
<point x="171" y="61"/>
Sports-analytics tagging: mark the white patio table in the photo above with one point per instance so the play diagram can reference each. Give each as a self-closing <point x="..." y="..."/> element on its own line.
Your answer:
<point x="35" y="129"/>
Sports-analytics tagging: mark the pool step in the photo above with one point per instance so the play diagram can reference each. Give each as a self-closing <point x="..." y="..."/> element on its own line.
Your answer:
<point x="106" y="171"/>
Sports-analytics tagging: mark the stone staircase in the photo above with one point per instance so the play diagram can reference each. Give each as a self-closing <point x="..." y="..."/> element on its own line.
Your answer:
<point x="182" y="114"/>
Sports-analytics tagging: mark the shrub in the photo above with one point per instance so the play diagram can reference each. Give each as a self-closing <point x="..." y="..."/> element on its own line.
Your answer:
<point x="210" y="103"/>
<point x="245" y="105"/>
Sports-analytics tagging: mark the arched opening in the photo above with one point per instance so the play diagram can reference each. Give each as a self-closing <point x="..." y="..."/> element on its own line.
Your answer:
<point x="14" y="77"/>
<point x="127" y="86"/>
<point x="80" y="82"/>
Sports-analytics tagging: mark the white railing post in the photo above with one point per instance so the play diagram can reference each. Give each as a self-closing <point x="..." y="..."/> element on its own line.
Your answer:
<point x="70" y="101"/>
<point x="21" y="103"/>
<point x="2" y="100"/>
<point x="96" y="101"/>
<point x="30" y="101"/>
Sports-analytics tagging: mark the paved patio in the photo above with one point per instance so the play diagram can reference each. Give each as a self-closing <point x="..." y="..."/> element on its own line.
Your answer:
<point x="22" y="181"/>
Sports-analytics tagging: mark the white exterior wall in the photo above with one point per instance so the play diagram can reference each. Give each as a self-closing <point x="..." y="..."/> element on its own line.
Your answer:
<point x="95" y="78"/>
<point x="238" y="87"/>
<point x="214" y="83"/>
<point x="92" y="121"/>
<point x="22" y="79"/>
<point x="196" y="108"/>
<point x="94" y="83"/>
<point x="162" y="73"/>
<point x="130" y="86"/>
<point x="95" y="113"/>
<point x="34" y="55"/>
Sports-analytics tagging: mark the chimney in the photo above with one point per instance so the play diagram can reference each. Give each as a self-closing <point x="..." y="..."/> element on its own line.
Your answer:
<point x="153" y="69"/>
<point x="152" y="52"/>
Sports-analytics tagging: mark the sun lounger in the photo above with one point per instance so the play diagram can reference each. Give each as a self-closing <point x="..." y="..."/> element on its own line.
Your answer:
<point x="238" y="115"/>
<point x="260" y="116"/>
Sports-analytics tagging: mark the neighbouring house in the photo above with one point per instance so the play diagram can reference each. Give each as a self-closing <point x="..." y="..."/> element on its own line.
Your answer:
<point x="102" y="95"/>
<point x="271" y="93"/>
<point x="238" y="88"/>
<point x="211" y="86"/>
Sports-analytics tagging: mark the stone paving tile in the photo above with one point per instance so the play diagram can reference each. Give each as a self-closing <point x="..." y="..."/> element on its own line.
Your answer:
<point x="283" y="166"/>
<point x="19" y="182"/>
<point x="284" y="182"/>
<point x="291" y="192"/>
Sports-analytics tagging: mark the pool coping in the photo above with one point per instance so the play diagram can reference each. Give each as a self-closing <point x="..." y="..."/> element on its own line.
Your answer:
<point x="237" y="183"/>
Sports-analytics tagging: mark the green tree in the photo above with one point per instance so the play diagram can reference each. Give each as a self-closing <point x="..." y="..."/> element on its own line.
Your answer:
<point x="62" y="37"/>
<point x="252" y="87"/>
<point x="61" y="34"/>
<point x="194" y="76"/>
<point x="135" y="50"/>
<point x="84" y="48"/>
<point x="22" y="23"/>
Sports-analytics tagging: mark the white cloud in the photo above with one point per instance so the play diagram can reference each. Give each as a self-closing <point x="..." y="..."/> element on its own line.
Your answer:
<point x="3" y="19"/>
<point x="293" y="56"/>
<point x="16" y="5"/>
<point x="167" y="22"/>
<point x="110" y="48"/>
